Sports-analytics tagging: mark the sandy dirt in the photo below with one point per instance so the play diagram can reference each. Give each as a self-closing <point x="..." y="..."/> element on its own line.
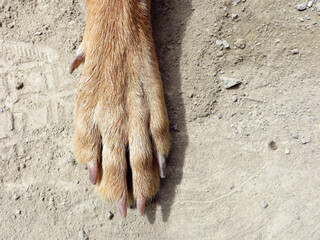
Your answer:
<point x="245" y="161"/>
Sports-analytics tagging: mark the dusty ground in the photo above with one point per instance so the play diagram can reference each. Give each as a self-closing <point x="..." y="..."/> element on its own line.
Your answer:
<point x="225" y="180"/>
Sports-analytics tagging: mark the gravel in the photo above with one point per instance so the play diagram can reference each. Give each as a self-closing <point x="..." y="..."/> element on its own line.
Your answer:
<point x="110" y="215"/>
<point x="19" y="85"/>
<point x="272" y="145"/>
<point x="236" y="2"/>
<point x="82" y="235"/>
<point x="225" y="44"/>
<point x="37" y="34"/>
<point x="230" y="82"/>
<point x="219" y="42"/>
<point x="264" y="204"/>
<point x="234" y="16"/>
<point x="15" y="197"/>
<point x="240" y="43"/>
<point x="301" y="6"/>
<point x="219" y="54"/>
<point x="305" y="140"/>
<point x="234" y="98"/>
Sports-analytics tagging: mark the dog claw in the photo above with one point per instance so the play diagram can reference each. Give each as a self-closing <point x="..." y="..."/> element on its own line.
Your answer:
<point x="141" y="203"/>
<point x="93" y="171"/>
<point x="122" y="207"/>
<point x="77" y="62"/>
<point x="162" y="166"/>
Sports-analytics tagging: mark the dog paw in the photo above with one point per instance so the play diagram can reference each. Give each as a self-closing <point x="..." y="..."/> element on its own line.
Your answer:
<point x="122" y="132"/>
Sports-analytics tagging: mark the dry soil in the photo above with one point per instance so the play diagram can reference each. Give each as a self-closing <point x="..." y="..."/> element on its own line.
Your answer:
<point x="245" y="161"/>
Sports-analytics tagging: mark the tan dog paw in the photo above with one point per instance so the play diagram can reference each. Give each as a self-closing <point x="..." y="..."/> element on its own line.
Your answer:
<point x="121" y="123"/>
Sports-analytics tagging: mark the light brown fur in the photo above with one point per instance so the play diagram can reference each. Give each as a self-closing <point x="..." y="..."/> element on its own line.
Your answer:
<point x="120" y="101"/>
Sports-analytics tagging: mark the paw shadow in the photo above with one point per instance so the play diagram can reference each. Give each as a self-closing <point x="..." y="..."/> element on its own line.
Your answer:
<point x="169" y="21"/>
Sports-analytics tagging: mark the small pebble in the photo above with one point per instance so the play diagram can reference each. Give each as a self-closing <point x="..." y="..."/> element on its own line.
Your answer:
<point x="305" y="140"/>
<point x="225" y="44"/>
<point x="234" y="16"/>
<point x="310" y="4"/>
<point x="15" y="197"/>
<point x="234" y="98"/>
<point x="287" y="151"/>
<point x="18" y="212"/>
<point x="295" y="51"/>
<point x="219" y="54"/>
<point x="110" y="215"/>
<point x="264" y="204"/>
<point x="240" y="43"/>
<point x="272" y="145"/>
<point x="231" y="186"/>
<point x="236" y="2"/>
<point x="11" y="25"/>
<point x="218" y="42"/>
<point x="219" y="116"/>
<point x="19" y="85"/>
<point x="82" y="235"/>
<point x="301" y="6"/>
<point x="295" y="135"/>
<point x="230" y="82"/>
<point x="37" y="33"/>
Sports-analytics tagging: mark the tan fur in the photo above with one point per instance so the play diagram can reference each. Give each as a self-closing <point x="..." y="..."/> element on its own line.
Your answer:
<point x="120" y="99"/>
